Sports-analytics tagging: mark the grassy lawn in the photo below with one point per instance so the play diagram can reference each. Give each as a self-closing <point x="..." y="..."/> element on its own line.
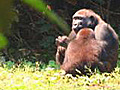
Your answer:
<point x="29" y="78"/>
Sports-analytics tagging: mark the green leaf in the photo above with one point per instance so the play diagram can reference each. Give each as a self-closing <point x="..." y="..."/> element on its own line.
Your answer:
<point x="3" y="41"/>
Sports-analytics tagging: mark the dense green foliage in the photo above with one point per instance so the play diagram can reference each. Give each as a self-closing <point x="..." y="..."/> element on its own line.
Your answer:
<point x="35" y="30"/>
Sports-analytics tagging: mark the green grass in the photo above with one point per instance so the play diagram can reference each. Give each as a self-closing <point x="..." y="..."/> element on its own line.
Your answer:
<point x="31" y="78"/>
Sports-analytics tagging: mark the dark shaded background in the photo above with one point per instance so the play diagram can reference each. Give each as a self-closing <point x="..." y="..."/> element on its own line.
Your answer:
<point x="33" y="35"/>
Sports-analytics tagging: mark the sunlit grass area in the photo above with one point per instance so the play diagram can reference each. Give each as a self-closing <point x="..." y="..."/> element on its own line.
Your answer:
<point x="32" y="78"/>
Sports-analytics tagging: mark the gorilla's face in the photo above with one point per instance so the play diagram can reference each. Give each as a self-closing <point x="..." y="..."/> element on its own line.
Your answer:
<point x="83" y="20"/>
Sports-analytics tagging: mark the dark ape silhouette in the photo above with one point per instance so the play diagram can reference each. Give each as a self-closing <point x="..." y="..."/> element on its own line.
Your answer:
<point x="86" y="18"/>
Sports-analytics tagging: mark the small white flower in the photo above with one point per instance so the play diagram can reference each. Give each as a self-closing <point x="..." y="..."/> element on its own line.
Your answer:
<point x="53" y="78"/>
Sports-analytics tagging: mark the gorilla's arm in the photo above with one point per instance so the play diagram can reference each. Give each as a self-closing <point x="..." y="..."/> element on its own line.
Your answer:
<point x="106" y="34"/>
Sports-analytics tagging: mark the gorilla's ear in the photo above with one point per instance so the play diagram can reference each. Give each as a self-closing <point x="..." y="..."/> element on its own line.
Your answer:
<point x="94" y="20"/>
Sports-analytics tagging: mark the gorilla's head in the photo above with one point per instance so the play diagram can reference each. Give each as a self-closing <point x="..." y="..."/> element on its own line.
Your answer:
<point x="84" y="18"/>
